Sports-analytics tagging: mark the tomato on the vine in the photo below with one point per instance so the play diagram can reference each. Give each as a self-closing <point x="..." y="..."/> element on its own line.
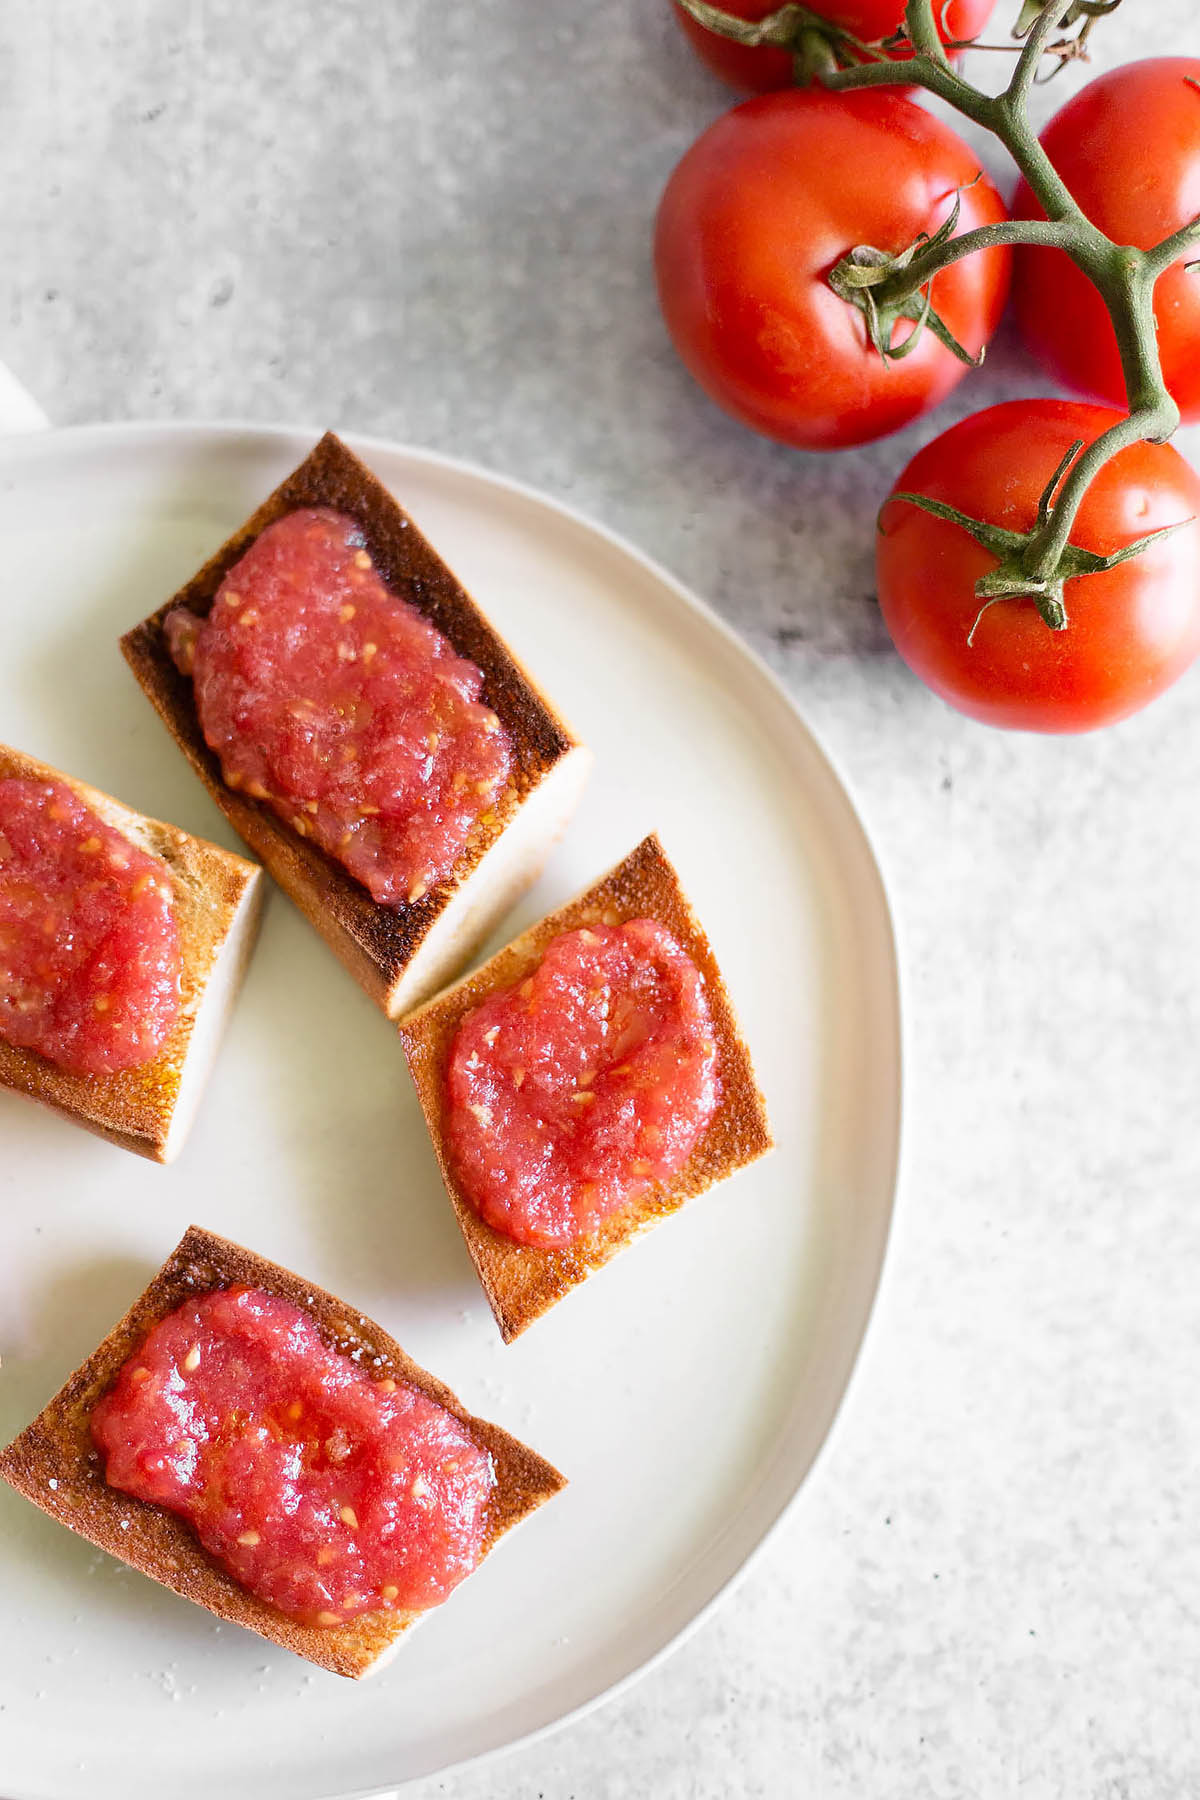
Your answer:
<point x="757" y="213"/>
<point x="1128" y="147"/>
<point x="759" y="70"/>
<point x="1131" y="631"/>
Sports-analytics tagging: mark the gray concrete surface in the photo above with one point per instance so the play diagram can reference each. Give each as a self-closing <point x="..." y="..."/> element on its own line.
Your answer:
<point x="432" y="221"/>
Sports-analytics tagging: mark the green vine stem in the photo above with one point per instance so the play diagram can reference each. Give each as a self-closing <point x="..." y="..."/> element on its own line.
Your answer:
<point x="887" y="287"/>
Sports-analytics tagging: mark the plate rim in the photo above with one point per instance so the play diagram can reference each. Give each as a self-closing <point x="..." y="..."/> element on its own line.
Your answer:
<point x="27" y="446"/>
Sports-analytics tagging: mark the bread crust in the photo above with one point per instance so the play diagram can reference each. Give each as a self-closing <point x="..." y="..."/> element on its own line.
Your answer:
<point x="376" y="943"/>
<point x="216" y="893"/>
<point x="54" y="1464"/>
<point x="522" y="1281"/>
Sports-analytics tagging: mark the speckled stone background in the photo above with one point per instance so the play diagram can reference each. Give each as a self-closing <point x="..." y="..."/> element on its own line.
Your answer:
<point x="432" y="221"/>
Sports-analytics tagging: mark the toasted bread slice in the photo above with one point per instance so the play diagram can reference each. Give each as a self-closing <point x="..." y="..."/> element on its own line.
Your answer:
<point x="218" y="901"/>
<point x="400" y="954"/>
<point x="54" y="1464"/>
<point x="523" y="1281"/>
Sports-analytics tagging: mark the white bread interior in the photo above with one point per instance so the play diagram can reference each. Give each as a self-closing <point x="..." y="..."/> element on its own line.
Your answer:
<point x="482" y="898"/>
<point x="218" y="902"/>
<point x="220" y="992"/>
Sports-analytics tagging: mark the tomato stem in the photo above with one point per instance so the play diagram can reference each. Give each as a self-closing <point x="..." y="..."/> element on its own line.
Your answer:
<point x="1172" y="248"/>
<point x="895" y="280"/>
<point x="890" y="286"/>
<point x="1044" y="559"/>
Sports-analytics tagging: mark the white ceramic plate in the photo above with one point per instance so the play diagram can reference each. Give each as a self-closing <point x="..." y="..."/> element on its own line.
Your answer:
<point x="685" y="1391"/>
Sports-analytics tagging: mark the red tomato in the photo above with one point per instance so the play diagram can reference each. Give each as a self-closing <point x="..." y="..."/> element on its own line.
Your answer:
<point x="1128" y="147"/>
<point x="1131" y="632"/>
<point x="753" y="219"/>
<point x="759" y="71"/>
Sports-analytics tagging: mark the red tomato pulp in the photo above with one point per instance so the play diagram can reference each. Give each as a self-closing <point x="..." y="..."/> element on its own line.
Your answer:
<point x="90" y="961"/>
<point x="594" y="1077"/>
<point x="325" y="1492"/>
<point x="335" y="702"/>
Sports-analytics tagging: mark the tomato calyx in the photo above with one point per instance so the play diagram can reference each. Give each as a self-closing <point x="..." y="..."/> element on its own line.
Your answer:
<point x="818" y="46"/>
<point x="881" y="284"/>
<point x="1023" y="571"/>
